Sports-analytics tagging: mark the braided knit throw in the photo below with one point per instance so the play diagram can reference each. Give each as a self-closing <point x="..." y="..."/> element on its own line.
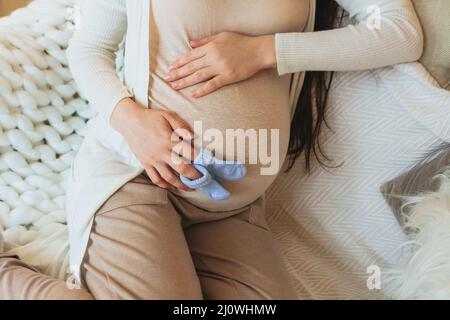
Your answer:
<point x="41" y="120"/>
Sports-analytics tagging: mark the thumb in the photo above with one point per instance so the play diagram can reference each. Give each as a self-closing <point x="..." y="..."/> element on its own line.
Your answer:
<point x="179" y="126"/>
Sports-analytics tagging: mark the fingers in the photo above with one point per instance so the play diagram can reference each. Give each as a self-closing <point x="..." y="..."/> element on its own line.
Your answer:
<point x="211" y="86"/>
<point x="179" y="126"/>
<point x="186" y="70"/>
<point x="169" y="176"/>
<point x="183" y="155"/>
<point x="165" y="175"/>
<point x="187" y="170"/>
<point x="189" y="57"/>
<point x="201" y="42"/>
<point x="156" y="178"/>
<point x="200" y="76"/>
<point x="184" y="151"/>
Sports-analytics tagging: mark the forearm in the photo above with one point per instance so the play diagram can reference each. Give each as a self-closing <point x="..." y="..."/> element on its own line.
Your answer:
<point x="96" y="77"/>
<point x="356" y="47"/>
<point x="125" y="113"/>
<point x="92" y="53"/>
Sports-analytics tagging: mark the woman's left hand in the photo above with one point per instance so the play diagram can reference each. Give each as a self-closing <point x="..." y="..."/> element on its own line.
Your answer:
<point x="220" y="60"/>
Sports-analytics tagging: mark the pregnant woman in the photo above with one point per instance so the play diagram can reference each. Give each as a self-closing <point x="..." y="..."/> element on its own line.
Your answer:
<point x="136" y="231"/>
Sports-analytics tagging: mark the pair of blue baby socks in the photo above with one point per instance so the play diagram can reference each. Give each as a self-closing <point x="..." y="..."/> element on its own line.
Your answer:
<point x="214" y="171"/>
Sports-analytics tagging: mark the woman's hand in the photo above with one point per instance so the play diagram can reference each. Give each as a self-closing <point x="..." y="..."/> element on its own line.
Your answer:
<point x="150" y="135"/>
<point x="221" y="60"/>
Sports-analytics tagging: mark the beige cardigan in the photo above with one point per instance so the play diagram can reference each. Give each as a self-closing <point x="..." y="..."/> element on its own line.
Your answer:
<point x="100" y="169"/>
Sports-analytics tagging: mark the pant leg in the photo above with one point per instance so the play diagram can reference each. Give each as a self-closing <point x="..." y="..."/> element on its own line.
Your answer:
<point x="137" y="248"/>
<point x="237" y="258"/>
<point x="19" y="281"/>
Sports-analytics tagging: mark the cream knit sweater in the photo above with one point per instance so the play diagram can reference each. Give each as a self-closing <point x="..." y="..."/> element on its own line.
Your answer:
<point x="98" y="171"/>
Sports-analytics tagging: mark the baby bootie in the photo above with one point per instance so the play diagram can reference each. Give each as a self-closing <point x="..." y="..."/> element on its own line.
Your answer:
<point x="207" y="184"/>
<point x="221" y="170"/>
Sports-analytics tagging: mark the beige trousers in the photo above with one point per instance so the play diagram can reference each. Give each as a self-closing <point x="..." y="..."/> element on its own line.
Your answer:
<point x="147" y="243"/>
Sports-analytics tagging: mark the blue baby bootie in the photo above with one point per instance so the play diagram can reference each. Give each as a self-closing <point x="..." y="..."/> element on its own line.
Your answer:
<point x="214" y="170"/>
<point x="221" y="170"/>
<point x="207" y="184"/>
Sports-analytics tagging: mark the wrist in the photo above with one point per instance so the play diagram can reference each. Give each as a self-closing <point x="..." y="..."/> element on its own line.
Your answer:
<point x="125" y="113"/>
<point x="267" y="52"/>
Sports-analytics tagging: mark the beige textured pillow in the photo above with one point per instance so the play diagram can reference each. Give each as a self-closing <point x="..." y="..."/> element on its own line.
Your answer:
<point x="435" y="18"/>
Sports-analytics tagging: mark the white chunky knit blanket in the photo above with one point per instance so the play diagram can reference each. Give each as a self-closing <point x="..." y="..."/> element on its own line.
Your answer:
<point x="41" y="124"/>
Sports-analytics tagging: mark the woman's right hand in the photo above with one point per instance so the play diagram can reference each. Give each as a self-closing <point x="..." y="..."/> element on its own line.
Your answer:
<point x="149" y="134"/>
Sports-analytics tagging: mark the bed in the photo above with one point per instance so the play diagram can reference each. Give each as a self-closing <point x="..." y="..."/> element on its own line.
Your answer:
<point x="333" y="226"/>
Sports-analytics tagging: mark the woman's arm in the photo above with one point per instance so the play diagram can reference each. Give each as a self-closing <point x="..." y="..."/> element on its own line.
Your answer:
<point x="92" y="53"/>
<point x="228" y="58"/>
<point x="397" y="39"/>
<point x="149" y="133"/>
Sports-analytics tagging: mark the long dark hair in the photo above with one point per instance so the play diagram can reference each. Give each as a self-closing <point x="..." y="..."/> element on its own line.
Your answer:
<point x="310" y="114"/>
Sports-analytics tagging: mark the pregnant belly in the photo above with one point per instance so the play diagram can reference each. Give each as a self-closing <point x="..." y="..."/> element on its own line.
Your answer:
<point x="248" y="122"/>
